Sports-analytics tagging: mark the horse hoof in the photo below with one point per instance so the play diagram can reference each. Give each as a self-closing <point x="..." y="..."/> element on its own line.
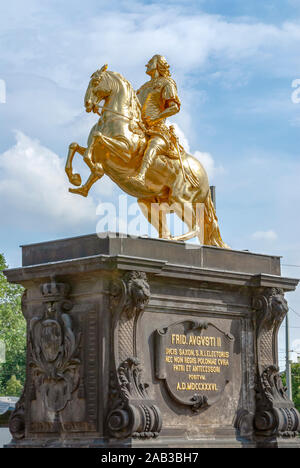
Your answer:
<point x="75" y="179"/>
<point x="80" y="191"/>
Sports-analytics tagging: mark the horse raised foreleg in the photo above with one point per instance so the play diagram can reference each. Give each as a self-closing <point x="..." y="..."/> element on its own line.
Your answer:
<point x="95" y="138"/>
<point x="74" y="179"/>
<point x="84" y="190"/>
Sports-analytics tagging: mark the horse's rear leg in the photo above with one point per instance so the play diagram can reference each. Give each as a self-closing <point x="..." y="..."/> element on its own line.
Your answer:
<point x="192" y="214"/>
<point x="155" y="213"/>
<point x="74" y="179"/>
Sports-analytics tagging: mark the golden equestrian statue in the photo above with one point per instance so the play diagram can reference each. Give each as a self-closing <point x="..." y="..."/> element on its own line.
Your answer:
<point x="132" y="144"/>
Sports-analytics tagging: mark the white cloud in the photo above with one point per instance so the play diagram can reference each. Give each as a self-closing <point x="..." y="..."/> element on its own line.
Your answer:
<point x="209" y="164"/>
<point x="34" y="189"/>
<point x="296" y="346"/>
<point x="107" y="31"/>
<point x="104" y="33"/>
<point x="295" y="354"/>
<point x="265" y="235"/>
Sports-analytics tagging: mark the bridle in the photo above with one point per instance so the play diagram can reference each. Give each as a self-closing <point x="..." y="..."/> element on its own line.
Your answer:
<point x="118" y="113"/>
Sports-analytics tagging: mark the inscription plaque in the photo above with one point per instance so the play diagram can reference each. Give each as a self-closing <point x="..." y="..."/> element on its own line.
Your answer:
<point x="194" y="359"/>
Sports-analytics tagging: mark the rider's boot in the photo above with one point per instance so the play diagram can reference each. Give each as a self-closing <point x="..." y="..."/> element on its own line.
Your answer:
<point x="140" y="177"/>
<point x="148" y="158"/>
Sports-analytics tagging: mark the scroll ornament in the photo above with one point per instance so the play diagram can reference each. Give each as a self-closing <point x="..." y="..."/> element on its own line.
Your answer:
<point x="275" y="413"/>
<point x="132" y="413"/>
<point x="17" y="419"/>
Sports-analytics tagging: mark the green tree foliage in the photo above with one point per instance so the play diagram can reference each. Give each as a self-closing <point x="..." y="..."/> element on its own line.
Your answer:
<point x="13" y="387"/>
<point x="12" y="332"/>
<point x="296" y="384"/>
<point x="295" y="371"/>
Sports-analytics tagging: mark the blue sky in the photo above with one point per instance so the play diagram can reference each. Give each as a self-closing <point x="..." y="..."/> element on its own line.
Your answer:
<point x="234" y="63"/>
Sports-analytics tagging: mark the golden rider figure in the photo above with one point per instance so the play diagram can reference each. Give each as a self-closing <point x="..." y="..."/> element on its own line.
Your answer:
<point x="159" y="100"/>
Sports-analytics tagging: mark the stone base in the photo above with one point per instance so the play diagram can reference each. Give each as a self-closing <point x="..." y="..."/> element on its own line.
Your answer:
<point x="149" y="343"/>
<point x="162" y="442"/>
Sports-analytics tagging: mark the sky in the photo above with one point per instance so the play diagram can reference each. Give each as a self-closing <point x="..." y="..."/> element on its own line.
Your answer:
<point x="235" y="64"/>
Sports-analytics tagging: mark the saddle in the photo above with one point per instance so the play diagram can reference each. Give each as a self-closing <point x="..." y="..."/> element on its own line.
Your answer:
<point x="169" y="136"/>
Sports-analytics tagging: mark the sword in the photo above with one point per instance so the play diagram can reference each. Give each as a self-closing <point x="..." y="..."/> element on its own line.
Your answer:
<point x="178" y="151"/>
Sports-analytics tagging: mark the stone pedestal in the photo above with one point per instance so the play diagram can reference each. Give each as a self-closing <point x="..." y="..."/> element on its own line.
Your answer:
<point x="150" y="343"/>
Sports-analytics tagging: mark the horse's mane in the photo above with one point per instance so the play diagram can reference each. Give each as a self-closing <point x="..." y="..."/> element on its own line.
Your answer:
<point x="136" y="102"/>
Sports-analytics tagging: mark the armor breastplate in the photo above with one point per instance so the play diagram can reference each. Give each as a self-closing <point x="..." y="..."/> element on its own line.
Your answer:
<point x="151" y="99"/>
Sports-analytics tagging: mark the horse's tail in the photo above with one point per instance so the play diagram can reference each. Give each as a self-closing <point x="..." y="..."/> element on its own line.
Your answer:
<point x="212" y="235"/>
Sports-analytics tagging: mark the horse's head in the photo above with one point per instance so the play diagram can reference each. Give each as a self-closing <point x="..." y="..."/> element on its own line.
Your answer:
<point x="97" y="90"/>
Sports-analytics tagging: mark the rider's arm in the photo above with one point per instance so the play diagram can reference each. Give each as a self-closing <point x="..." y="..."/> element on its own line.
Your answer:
<point x="172" y="108"/>
<point x="170" y="101"/>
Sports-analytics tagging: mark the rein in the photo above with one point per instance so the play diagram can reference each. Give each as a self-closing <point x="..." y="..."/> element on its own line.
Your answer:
<point x="115" y="112"/>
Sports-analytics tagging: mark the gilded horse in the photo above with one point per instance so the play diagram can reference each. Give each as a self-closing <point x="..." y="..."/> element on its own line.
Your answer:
<point x="116" y="145"/>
